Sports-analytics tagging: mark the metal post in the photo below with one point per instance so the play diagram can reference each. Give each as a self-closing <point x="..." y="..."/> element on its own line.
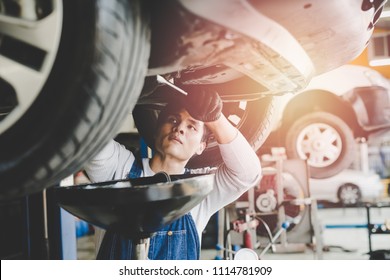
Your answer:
<point x="369" y="227"/>
<point x="317" y="230"/>
<point x="363" y="148"/>
<point x="250" y="213"/>
<point x="280" y="196"/>
<point x="221" y="230"/>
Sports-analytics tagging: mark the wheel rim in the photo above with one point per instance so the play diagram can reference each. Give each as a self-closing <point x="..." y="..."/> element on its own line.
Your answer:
<point x="349" y="195"/>
<point x="28" y="46"/>
<point x="320" y="144"/>
<point x="236" y="113"/>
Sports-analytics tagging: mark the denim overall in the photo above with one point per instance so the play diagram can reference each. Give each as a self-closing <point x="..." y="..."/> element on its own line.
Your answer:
<point x="176" y="241"/>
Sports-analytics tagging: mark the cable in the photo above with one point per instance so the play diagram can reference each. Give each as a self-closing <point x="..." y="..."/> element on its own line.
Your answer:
<point x="266" y="227"/>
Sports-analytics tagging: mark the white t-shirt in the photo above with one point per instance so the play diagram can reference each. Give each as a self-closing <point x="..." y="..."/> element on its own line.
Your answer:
<point x="240" y="171"/>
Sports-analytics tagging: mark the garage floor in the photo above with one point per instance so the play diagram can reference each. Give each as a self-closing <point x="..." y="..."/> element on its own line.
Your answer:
<point x="344" y="236"/>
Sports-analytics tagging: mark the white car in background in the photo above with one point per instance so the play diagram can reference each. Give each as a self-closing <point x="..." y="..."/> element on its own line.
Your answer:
<point x="322" y="122"/>
<point x="349" y="187"/>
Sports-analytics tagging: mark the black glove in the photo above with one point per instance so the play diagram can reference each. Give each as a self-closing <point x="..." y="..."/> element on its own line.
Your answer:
<point x="202" y="104"/>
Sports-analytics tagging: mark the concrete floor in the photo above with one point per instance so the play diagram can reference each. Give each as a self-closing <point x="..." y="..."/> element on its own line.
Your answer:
<point x="342" y="232"/>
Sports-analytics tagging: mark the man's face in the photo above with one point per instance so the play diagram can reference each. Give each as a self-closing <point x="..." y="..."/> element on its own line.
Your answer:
<point x="180" y="136"/>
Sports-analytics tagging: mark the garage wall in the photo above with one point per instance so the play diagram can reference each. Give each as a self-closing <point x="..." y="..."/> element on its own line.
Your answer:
<point x="363" y="59"/>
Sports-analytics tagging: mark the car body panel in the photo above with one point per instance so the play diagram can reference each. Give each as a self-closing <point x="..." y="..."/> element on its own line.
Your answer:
<point x="338" y="82"/>
<point x="314" y="37"/>
<point x="245" y="19"/>
<point x="369" y="184"/>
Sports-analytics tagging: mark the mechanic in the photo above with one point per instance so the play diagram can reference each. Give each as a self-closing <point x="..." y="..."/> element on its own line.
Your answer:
<point x="182" y="131"/>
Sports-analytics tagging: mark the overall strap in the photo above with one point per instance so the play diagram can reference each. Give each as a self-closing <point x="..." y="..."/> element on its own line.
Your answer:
<point x="177" y="240"/>
<point x="115" y="246"/>
<point x="136" y="168"/>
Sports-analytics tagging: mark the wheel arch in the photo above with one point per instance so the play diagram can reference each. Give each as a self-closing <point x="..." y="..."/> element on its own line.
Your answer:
<point x="320" y="100"/>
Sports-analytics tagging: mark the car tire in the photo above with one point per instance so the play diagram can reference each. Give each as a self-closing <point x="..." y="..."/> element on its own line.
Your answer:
<point x="95" y="80"/>
<point x="254" y="123"/>
<point x="324" y="140"/>
<point x="349" y="194"/>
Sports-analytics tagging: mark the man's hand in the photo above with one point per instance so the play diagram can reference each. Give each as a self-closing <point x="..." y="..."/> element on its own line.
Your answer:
<point x="202" y="104"/>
